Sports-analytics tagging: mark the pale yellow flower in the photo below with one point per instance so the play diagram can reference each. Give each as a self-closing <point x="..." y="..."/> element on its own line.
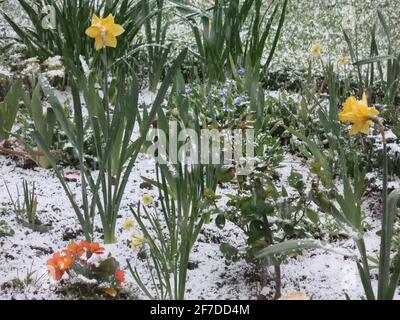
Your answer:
<point x="105" y="31"/>
<point x="345" y="60"/>
<point x="128" y="224"/>
<point x="136" y="241"/>
<point x="316" y="49"/>
<point x="148" y="199"/>
<point x="359" y="114"/>
<point x="175" y="112"/>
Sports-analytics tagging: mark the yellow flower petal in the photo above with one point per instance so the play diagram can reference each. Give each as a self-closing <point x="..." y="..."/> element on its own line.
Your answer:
<point x="111" y="41"/>
<point x="108" y="22"/>
<point x="365" y="126"/>
<point x="373" y="111"/>
<point x="356" y="128"/>
<point x="117" y="30"/>
<point x="364" y="99"/>
<point x="95" y="19"/>
<point x="99" y="42"/>
<point x="136" y="241"/>
<point x="92" y="32"/>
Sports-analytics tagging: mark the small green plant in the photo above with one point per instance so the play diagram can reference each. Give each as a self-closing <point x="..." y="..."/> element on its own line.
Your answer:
<point x="268" y="216"/>
<point x="5" y="229"/>
<point x="26" y="212"/>
<point x="29" y="279"/>
<point x="44" y="122"/>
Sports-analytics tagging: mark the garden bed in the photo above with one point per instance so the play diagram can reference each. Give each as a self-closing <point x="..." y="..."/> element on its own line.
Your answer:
<point x="90" y="209"/>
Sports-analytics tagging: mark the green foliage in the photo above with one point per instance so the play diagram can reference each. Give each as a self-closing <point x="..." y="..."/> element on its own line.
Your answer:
<point x="382" y="68"/>
<point x="9" y="109"/>
<point x="186" y="192"/>
<point x="106" y="189"/>
<point x="170" y="242"/>
<point x="5" y="229"/>
<point x="157" y="48"/>
<point x="26" y="213"/>
<point x="68" y="39"/>
<point x="230" y="252"/>
<point x="44" y="122"/>
<point x="217" y="32"/>
<point x="344" y="203"/>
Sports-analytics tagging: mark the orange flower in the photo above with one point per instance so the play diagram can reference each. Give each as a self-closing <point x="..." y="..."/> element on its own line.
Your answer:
<point x="74" y="249"/>
<point x="119" y="276"/>
<point x="58" y="264"/>
<point x="92" y="247"/>
<point x="53" y="269"/>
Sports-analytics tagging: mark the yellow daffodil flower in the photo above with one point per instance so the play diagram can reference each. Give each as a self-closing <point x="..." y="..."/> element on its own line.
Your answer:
<point x="316" y="49"/>
<point x="359" y="114"/>
<point x="105" y="31"/>
<point x="148" y="199"/>
<point x="128" y="224"/>
<point x="136" y="241"/>
<point x="345" y="60"/>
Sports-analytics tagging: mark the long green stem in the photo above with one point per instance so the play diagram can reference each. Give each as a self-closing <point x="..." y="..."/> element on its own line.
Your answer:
<point x="109" y="226"/>
<point x="277" y="265"/>
<point x="386" y="237"/>
<point x="369" y="292"/>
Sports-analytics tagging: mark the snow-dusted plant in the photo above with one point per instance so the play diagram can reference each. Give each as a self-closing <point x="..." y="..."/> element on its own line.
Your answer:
<point x="26" y="212"/>
<point x="171" y="243"/>
<point x="344" y="202"/>
<point x="112" y="130"/>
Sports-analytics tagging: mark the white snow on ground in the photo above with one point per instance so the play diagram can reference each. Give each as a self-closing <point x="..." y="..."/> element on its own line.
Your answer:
<point x="322" y="275"/>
